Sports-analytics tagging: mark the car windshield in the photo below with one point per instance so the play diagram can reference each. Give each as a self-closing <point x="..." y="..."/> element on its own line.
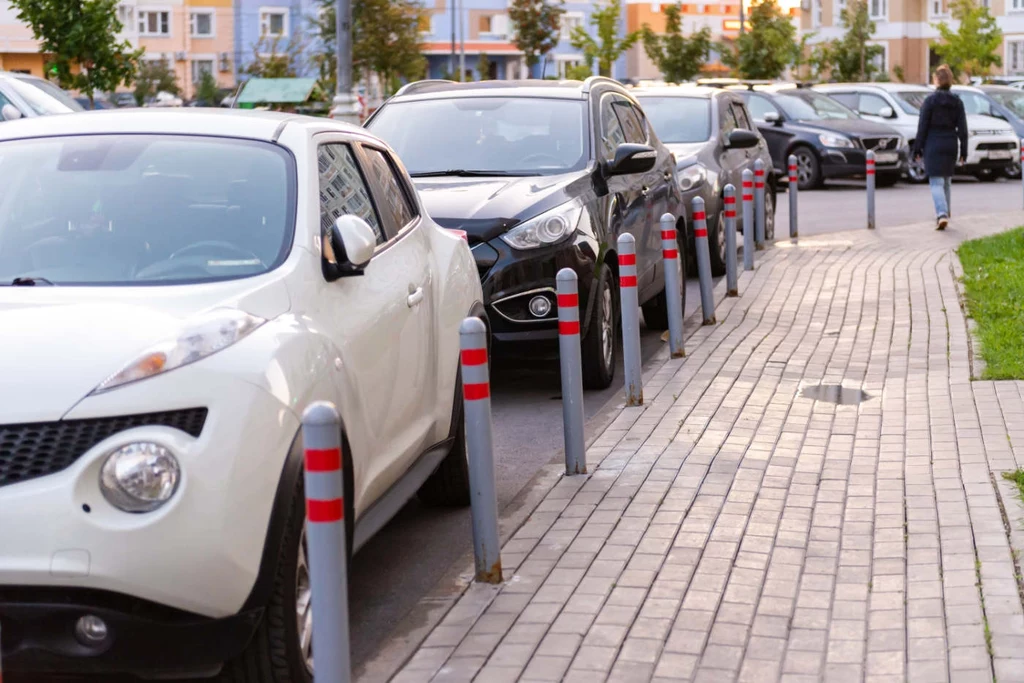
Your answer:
<point x="44" y="97"/>
<point x="143" y="209"/>
<point x="679" y="119"/>
<point x="810" y="106"/>
<point x="974" y="103"/>
<point x="911" y="101"/>
<point x="486" y="135"/>
<point x="1014" y="101"/>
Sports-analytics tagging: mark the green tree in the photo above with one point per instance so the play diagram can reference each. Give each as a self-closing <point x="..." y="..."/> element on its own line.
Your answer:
<point x="483" y="67"/>
<point x="270" y="59"/>
<point x="767" y="47"/>
<point x="608" y="46"/>
<point x="578" y="72"/>
<point x="81" y="38"/>
<point x="972" y="49"/>
<point x="207" y="91"/>
<point x="851" y="58"/>
<point x="537" y="25"/>
<point x="677" y="57"/>
<point x="154" y="76"/>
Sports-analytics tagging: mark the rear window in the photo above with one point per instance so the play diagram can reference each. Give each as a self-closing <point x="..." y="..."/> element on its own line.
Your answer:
<point x="679" y="119"/>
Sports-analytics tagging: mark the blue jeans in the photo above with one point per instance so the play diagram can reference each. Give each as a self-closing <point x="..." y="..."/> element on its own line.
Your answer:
<point x="940" y="194"/>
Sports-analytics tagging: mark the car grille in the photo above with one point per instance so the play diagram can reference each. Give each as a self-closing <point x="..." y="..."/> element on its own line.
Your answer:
<point x="879" y="144"/>
<point x="996" y="145"/>
<point x="28" y="451"/>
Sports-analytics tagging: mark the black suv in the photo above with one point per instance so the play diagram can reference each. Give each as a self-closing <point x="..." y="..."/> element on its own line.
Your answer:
<point x="828" y="140"/>
<point x="711" y="135"/>
<point x="542" y="175"/>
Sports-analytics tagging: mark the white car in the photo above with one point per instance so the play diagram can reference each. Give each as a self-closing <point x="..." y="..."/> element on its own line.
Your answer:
<point x="24" y="96"/>
<point x="991" y="146"/>
<point x="180" y="285"/>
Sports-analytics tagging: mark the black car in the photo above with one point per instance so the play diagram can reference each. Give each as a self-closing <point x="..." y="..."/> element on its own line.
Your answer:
<point x="542" y="175"/>
<point x="828" y="139"/>
<point x="711" y="135"/>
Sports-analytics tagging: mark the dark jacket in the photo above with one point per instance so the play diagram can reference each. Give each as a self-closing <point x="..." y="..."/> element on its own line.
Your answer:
<point x="942" y="123"/>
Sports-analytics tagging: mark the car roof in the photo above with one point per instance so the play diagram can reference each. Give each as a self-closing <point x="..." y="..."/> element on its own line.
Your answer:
<point x="682" y="90"/>
<point x="235" y="123"/>
<point x="888" y="87"/>
<point x="992" y="87"/>
<point x="970" y="88"/>
<point x="567" y="89"/>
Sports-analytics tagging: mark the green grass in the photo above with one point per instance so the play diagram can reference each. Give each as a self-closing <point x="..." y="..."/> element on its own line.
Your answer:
<point x="994" y="284"/>
<point x="1017" y="477"/>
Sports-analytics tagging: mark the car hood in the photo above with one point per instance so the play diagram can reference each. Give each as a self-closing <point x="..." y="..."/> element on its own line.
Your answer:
<point x="60" y="343"/>
<point x="487" y="207"/>
<point x="854" y="127"/>
<point x="982" y="122"/>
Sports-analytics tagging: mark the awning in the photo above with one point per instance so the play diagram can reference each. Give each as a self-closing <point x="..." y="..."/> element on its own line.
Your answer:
<point x="276" y="91"/>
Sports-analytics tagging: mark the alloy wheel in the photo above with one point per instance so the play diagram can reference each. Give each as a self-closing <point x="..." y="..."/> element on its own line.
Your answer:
<point x="304" y="605"/>
<point x="769" y="216"/>
<point x="916" y="172"/>
<point x="1013" y="170"/>
<point x="804" y="167"/>
<point x="723" y="250"/>
<point x="607" y="327"/>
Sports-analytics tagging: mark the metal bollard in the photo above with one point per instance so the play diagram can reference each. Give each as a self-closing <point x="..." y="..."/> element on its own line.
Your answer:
<point x="700" y="241"/>
<point x="673" y="285"/>
<point x="628" y="300"/>
<point x="570" y="359"/>
<point x="731" y="276"/>
<point x="793" y="182"/>
<point x="476" y="392"/>
<point x="759" y="203"/>
<point x="325" y="540"/>
<point x="869" y="174"/>
<point x="748" y="220"/>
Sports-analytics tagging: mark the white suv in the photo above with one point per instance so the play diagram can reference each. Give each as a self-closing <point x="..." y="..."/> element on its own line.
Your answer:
<point x="179" y="286"/>
<point x="992" y="144"/>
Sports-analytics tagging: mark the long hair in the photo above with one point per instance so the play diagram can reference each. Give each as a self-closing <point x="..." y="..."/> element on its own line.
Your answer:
<point x="944" y="77"/>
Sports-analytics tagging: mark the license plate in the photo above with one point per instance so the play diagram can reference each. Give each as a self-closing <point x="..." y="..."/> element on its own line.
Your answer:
<point x="886" y="157"/>
<point x="1001" y="154"/>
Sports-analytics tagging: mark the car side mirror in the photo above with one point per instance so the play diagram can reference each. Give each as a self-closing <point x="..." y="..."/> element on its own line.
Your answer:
<point x="773" y="118"/>
<point x="887" y="113"/>
<point x="742" y="139"/>
<point x="632" y="158"/>
<point x="352" y="240"/>
<point x="10" y="113"/>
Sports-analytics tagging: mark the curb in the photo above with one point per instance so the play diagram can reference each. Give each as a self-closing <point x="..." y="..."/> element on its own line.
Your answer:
<point x="977" y="365"/>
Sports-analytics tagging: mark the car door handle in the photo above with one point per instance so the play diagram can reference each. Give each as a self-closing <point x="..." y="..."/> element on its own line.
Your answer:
<point x="666" y="175"/>
<point x="415" y="296"/>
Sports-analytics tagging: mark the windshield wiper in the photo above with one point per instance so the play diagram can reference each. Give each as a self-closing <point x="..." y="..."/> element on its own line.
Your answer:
<point x="30" y="282"/>
<point x="462" y="173"/>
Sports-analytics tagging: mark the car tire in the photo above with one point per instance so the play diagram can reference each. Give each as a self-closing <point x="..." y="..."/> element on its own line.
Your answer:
<point x="1012" y="171"/>
<point x="769" y="215"/>
<point x="986" y="175"/>
<point x="448" y="486"/>
<point x="886" y="179"/>
<point x="716" y="245"/>
<point x="656" y="310"/>
<point x="598" y="346"/>
<point x="916" y="172"/>
<point x="808" y="168"/>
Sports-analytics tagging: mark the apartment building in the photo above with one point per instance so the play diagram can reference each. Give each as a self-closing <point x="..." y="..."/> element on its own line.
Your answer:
<point x="905" y="29"/>
<point x="19" y="52"/>
<point x="275" y="25"/>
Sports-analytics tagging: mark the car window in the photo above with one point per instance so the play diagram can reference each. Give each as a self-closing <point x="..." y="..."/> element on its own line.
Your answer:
<point x="632" y="126"/>
<point x="759" y="105"/>
<point x="805" y="105"/>
<point x="343" y="190"/>
<point x="974" y="103"/>
<point x="727" y="123"/>
<point x="872" y="105"/>
<point x="847" y="99"/>
<point x="4" y="101"/>
<point x="911" y="101"/>
<point x="1014" y="101"/>
<point x="44" y="97"/>
<point x="395" y="206"/>
<point x="612" y="134"/>
<point x="679" y="119"/>
<point x="740" y="112"/>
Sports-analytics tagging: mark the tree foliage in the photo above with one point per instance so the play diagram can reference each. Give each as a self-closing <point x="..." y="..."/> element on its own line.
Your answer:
<point x="271" y="59"/>
<point x="767" y="47"/>
<point x="608" y="46"/>
<point x="677" y="57"/>
<point x="207" y="90"/>
<point x="537" y="26"/>
<point x="483" y="67"/>
<point x="154" y="76"/>
<point x="851" y="58"/>
<point x="973" y="48"/>
<point x="81" y="38"/>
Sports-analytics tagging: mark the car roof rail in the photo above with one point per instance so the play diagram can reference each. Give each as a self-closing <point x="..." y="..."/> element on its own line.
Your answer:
<point x="410" y="88"/>
<point x="749" y="84"/>
<point x="598" y="80"/>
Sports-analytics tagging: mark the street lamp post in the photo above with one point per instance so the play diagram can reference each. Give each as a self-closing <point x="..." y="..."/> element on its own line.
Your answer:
<point x="742" y="19"/>
<point x="346" y="104"/>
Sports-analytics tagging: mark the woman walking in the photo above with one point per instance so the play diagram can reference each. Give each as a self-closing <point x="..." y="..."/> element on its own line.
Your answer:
<point x="941" y="126"/>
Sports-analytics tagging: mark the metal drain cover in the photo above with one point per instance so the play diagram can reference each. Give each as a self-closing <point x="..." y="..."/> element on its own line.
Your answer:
<point x="834" y="393"/>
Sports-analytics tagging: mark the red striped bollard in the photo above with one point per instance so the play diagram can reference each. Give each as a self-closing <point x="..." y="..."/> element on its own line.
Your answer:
<point x="700" y="241"/>
<point x="571" y="362"/>
<point x="869" y="174"/>
<point x="673" y="284"/>
<point x="630" y="303"/>
<point x="476" y="393"/>
<point x="794" y="182"/>
<point x="759" y="204"/>
<point x="325" y="541"/>
<point x="731" y="276"/>
<point x="748" y="220"/>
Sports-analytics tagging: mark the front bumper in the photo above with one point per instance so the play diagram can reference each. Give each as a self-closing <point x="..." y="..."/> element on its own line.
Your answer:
<point x="851" y="162"/>
<point x="991" y="152"/>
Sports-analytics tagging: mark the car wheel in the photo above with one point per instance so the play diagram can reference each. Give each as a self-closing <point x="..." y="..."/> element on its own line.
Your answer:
<point x="717" y="244"/>
<point x="769" y="215"/>
<point x="986" y="175"/>
<point x="598" y="346"/>
<point x="808" y="170"/>
<point x="1012" y="171"/>
<point x="656" y="310"/>
<point x="886" y="179"/>
<point x="916" y="172"/>
<point x="448" y="486"/>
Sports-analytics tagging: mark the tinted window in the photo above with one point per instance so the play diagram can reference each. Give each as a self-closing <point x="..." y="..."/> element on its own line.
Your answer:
<point x="612" y="134"/>
<point x="503" y="135"/>
<point x="1014" y="101"/>
<point x="810" y="106"/>
<point x="974" y="103"/>
<point x="679" y="119"/>
<point x="847" y="99"/>
<point x="758" y="106"/>
<point x="910" y="101"/>
<point x="630" y="121"/>
<point x="343" y="190"/>
<point x="143" y="209"/>
<point x="394" y="204"/>
<point x="44" y="97"/>
<point x="742" y="120"/>
<point x="872" y="105"/>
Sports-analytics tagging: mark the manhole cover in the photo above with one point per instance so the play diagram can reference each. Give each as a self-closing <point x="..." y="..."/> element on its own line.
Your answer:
<point x="834" y="393"/>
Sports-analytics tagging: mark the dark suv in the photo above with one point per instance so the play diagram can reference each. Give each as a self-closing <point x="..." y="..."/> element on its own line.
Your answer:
<point x="542" y="175"/>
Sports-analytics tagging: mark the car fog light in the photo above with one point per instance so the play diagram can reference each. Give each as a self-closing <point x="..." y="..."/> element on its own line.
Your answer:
<point x="139" y="477"/>
<point x="91" y="630"/>
<point x="540" y="306"/>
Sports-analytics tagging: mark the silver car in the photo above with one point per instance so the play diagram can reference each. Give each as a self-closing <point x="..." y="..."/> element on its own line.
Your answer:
<point x="24" y="96"/>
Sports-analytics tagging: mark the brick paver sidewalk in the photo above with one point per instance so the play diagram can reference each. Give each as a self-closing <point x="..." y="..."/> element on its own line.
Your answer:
<point x="736" y="528"/>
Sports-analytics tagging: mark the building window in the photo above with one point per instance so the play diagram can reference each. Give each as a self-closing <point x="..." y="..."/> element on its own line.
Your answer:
<point x="125" y="14"/>
<point x="816" y="17"/>
<point x="200" y="67"/>
<point x="1015" y="5"/>
<point x="569" y="21"/>
<point x="273" y="21"/>
<point x="202" y="23"/>
<point x="493" y="26"/>
<point x="879" y="9"/>
<point x="566" y="62"/>
<point x="938" y="9"/>
<point x="154" y="23"/>
<point x="881" y="61"/>
<point x="1015" y="56"/>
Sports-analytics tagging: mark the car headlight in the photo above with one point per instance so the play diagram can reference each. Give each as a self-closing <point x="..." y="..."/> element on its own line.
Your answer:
<point x="983" y="131"/>
<point x="139" y="477"/>
<point x="834" y="140"/>
<point x="201" y="337"/>
<point x="692" y="176"/>
<point x="547" y="228"/>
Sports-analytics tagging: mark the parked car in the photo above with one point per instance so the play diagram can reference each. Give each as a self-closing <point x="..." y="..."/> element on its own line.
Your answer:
<point x="124" y="99"/>
<point x="98" y="102"/>
<point x="542" y="175"/>
<point x="165" y="99"/>
<point x="151" y="457"/>
<point x="992" y="144"/>
<point x="711" y="135"/>
<point x="828" y="139"/>
<point x="24" y="96"/>
<point x="1001" y="102"/>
